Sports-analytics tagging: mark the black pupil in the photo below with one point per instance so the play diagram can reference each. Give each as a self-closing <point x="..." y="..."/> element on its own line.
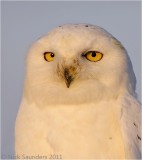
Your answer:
<point x="93" y="54"/>
<point x="52" y="54"/>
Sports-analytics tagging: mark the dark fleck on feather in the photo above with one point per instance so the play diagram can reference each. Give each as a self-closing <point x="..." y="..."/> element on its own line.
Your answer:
<point x="139" y="138"/>
<point x="135" y="124"/>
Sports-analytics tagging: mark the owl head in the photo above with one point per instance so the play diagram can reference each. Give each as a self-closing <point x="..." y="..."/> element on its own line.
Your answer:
<point x="77" y="63"/>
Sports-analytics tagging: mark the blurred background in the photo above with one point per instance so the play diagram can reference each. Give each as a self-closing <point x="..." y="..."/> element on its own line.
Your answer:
<point x="24" y="22"/>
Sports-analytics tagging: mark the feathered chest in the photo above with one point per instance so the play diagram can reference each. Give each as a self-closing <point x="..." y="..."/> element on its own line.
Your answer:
<point x="92" y="129"/>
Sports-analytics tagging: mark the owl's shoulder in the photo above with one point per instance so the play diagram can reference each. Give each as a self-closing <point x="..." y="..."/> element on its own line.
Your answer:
<point x="129" y="115"/>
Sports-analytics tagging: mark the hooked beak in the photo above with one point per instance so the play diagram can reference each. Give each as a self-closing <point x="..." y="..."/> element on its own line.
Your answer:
<point x="68" y="77"/>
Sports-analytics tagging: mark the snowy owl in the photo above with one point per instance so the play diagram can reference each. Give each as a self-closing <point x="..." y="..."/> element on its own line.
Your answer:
<point x="79" y="99"/>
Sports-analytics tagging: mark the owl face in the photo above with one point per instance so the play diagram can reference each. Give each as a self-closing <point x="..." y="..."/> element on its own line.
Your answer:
<point x="77" y="61"/>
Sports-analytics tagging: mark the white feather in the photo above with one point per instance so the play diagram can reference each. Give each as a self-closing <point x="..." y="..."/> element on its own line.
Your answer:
<point x="97" y="117"/>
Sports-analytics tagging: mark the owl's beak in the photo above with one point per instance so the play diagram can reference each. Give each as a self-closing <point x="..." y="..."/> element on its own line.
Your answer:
<point x="68" y="77"/>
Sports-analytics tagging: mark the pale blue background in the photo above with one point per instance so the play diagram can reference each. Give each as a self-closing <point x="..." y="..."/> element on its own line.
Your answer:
<point x="24" y="22"/>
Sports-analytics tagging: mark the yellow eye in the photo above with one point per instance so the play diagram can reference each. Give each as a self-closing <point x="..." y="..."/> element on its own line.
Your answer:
<point x="49" y="56"/>
<point x="93" y="56"/>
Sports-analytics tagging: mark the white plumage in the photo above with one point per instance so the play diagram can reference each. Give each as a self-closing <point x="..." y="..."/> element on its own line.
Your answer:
<point x="79" y="98"/>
